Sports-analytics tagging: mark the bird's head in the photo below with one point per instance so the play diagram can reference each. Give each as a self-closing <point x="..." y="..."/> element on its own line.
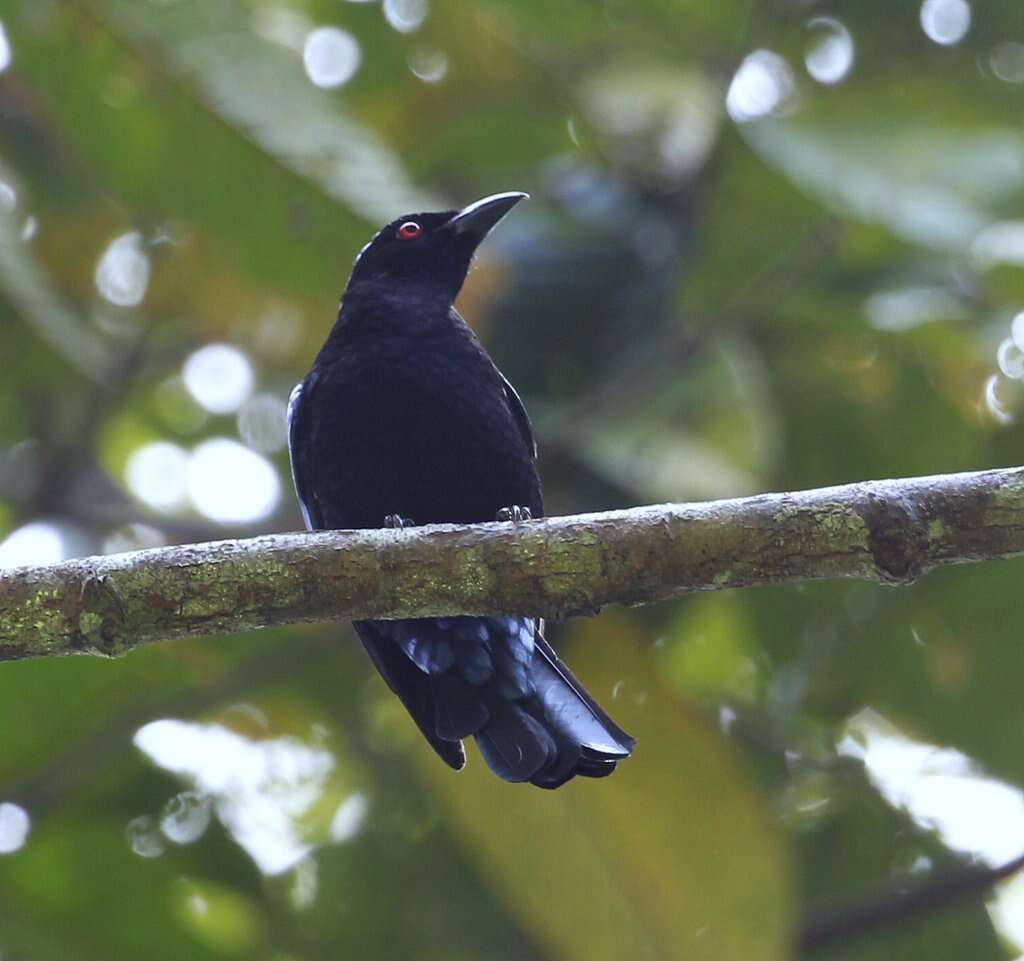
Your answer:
<point x="430" y="251"/>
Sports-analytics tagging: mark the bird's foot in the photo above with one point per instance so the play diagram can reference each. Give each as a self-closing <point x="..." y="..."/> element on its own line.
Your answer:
<point x="514" y="514"/>
<point x="397" y="522"/>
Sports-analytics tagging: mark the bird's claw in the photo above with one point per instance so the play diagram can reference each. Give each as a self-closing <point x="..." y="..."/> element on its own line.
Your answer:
<point x="397" y="522"/>
<point x="514" y="514"/>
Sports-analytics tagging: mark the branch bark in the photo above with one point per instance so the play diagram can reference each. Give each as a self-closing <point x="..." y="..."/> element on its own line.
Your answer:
<point x="886" y="531"/>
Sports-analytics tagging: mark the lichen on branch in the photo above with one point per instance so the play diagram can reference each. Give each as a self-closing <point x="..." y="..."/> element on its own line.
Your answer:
<point x="887" y="531"/>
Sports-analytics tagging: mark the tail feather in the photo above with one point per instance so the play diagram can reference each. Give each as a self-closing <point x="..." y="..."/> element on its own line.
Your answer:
<point x="515" y="745"/>
<point x="568" y="706"/>
<point x="459" y="708"/>
<point x="499" y="680"/>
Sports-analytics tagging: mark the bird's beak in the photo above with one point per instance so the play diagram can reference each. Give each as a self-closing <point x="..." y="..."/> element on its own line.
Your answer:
<point x="479" y="218"/>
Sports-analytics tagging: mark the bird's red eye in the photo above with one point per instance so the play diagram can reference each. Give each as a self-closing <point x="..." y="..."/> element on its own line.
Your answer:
<point x="409" y="230"/>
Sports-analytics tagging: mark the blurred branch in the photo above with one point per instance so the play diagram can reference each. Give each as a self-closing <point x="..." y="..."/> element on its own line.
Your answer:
<point x="903" y="901"/>
<point x="885" y="531"/>
<point x="29" y="291"/>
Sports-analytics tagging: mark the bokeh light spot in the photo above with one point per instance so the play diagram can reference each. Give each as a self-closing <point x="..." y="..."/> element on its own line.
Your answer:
<point x="331" y="56"/>
<point x="406" y="16"/>
<point x="8" y="197"/>
<point x="144" y="837"/>
<point x="995" y="403"/>
<point x="945" y="21"/>
<point x="348" y="820"/>
<point x="5" y="49"/>
<point x="261" y="423"/>
<point x="1017" y="330"/>
<point x="830" y="56"/>
<point x="155" y="474"/>
<point x="219" y="377"/>
<point x="1010" y="359"/>
<point x="430" y="66"/>
<point x="186" y="817"/>
<point x="38" y="542"/>
<point x="14" y="827"/>
<point x="763" y="84"/>
<point x="231" y="484"/>
<point x="122" y="273"/>
<point x="1007" y="61"/>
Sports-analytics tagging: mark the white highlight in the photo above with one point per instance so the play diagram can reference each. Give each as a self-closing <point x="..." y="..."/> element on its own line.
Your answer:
<point x="293" y="406"/>
<point x="467" y="212"/>
<point x="947" y="792"/>
<point x="260" y="790"/>
<point x="940" y="788"/>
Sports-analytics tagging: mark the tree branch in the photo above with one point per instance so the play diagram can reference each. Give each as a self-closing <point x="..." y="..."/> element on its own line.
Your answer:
<point x="908" y="899"/>
<point x="886" y="531"/>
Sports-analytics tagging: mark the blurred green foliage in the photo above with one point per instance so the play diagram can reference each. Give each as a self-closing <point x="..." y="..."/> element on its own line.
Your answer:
<point x="771" y="245"/>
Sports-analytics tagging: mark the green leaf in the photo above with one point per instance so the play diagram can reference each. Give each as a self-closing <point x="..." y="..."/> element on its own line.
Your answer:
<point x="670" y="857"/>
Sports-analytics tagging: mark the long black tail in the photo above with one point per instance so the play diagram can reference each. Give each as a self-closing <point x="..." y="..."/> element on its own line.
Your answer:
<point x="498" y="679"/>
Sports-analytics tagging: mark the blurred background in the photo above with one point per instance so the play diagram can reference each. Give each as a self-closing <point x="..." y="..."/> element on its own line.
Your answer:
<point x="773" y="244"/>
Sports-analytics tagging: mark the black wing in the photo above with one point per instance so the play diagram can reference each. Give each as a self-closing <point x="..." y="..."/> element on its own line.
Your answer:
<point x="400" y="673"/>
<point x="298" y="444"/>
<point x="413" y="687"/>
<point x="522" y="419"/>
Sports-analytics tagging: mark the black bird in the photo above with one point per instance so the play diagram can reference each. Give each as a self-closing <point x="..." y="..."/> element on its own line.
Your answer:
<point x="404" y="418"/>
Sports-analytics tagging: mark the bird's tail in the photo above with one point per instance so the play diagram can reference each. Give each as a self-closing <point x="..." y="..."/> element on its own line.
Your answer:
<point x="561" y="726"/>
<point x="499" y="680"/>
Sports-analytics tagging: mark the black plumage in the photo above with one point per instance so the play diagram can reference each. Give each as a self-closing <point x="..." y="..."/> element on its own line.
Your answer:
<point x="404" y="418"/>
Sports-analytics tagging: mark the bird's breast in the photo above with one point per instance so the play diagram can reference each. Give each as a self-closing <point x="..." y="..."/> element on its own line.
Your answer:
<point x="424" y="433"/>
